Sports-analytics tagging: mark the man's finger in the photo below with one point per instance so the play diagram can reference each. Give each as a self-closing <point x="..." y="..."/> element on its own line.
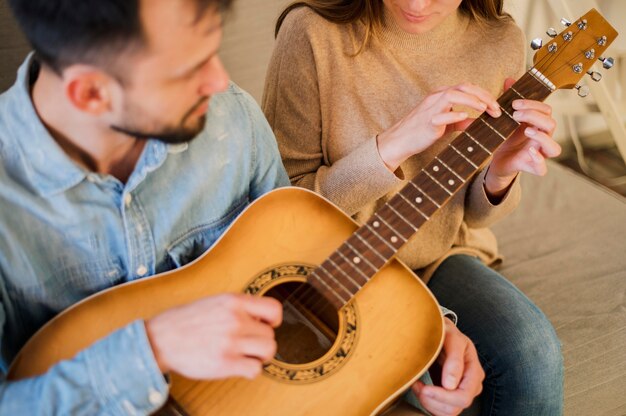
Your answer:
<point x="264" y="308"/>
<point x="453" y="366"/>
<point x="458" y="398"/>
<point x="437" y="407"/>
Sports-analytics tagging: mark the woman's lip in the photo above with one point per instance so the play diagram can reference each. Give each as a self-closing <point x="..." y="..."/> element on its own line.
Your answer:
<point x="413" y="18"/>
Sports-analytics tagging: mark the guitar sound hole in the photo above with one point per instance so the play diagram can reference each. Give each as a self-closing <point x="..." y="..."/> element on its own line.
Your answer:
<point x="310" y="323"/>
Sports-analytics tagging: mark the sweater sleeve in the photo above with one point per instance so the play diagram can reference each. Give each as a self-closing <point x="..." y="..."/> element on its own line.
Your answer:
<point x="479" y="211"/>
<point x="292" y="105"/>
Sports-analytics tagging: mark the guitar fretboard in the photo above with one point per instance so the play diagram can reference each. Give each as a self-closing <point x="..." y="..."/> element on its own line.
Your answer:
<point x="353" y="264"/>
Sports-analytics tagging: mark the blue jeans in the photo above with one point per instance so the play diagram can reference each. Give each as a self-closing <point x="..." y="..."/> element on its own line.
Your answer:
<point x="517" y="346"/>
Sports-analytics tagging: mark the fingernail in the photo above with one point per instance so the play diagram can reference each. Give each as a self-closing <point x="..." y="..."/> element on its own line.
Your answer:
<point x="530" y="131"/>
<point x="534" y="154"/>
<point x="517" y="104"/>
<point x="451" y="382"/>
<point x="497" y="112"/>
<point x="517" y="115"/>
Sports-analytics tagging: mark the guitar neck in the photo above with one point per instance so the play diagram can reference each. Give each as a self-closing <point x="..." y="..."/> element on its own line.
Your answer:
<point x="351" y="266"/>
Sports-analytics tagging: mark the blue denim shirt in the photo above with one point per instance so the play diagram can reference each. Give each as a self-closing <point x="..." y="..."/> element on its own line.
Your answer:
<point x="66" y="233"/>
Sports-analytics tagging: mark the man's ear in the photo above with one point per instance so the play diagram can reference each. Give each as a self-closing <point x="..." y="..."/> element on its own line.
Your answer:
<point x="88" y="89"/>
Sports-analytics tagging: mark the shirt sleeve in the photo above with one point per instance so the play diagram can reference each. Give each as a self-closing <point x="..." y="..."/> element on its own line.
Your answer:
<point x="268" y="171"/>
<point x="116" y="375"/>
<point x="291" y="103"/>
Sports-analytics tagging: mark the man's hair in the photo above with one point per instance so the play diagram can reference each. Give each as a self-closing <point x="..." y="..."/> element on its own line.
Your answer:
<point x="66" y="32"/>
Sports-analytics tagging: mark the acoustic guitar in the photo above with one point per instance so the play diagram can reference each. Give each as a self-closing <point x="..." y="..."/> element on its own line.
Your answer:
<point x="359" y="327"/>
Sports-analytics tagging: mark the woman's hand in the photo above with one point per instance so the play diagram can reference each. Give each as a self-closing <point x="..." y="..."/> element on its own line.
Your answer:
<point x="432" y="118"/>
<point x="527" y="149"/>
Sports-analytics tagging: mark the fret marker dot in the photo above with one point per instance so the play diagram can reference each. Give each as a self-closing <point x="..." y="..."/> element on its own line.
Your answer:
<point x="418" y="200"/>
<point x="356" y="260"/>
<point x="470" y="149"/>
<point x="376" y="224"/>
<point x="451" y="182"/>
<point x="436" y="168"/>
<point x="394" y="239"/>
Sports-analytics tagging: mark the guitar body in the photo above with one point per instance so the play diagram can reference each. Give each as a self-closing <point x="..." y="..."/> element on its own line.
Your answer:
<point x="386" y="336"/>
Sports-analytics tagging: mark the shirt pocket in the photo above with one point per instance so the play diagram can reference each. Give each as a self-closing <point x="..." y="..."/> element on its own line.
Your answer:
<point x="196" y="241"/>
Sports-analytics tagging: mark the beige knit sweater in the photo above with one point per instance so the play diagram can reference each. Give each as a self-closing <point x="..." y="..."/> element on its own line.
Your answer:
<point x="326" y="107"/>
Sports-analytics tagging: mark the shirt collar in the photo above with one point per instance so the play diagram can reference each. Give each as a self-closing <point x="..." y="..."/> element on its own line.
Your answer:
<point x="47" y="168"/>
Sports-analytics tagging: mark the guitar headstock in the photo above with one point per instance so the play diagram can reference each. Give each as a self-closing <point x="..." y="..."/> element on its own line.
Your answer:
<point x="569" y="55"/>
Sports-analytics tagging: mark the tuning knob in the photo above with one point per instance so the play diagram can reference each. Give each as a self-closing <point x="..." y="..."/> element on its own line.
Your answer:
<point x="536" y="43"/>
<point x="552" y="32"/>
<point x="596" y="76"/>
<point x="583" y="90"/>
<point x="565" y="22"/>
<point x="607" y="63"/>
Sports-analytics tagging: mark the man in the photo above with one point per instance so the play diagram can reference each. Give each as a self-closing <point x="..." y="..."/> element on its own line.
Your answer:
<point x="112" y="170"/>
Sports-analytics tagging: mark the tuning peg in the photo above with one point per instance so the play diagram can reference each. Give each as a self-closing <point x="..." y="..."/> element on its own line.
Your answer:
<point x="607" y="63"/>
<point x="552" y="32"/>
<point x="565" y="22"/>
<point x="536" y="43"/>
<point x="583" y="90"/>
<point x="596" y="76"/>
<point x="601" y="41"/>
<point x="582" y="25"/>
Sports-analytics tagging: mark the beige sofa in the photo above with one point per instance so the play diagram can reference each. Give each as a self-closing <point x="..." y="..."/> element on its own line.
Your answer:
<point x="565" y="246"/>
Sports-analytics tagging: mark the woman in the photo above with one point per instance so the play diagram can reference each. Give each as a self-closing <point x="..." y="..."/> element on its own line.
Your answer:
<point x="361" y="96"/>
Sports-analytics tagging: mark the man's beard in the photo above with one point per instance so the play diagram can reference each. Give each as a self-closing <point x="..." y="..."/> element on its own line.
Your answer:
<point x="170" y="135"/>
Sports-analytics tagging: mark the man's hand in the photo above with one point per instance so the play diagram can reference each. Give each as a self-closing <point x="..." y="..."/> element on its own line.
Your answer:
<point x="462" y="376"/>
<point x="216" y="337"/>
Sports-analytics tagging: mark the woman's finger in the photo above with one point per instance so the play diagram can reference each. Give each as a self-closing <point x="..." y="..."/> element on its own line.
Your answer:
<point x="484" y="95"/>
<point x="532" y="105"/>
<point x="443" y="119"/>
<point x="536" y="119"/>
<point x="547" y="145"/>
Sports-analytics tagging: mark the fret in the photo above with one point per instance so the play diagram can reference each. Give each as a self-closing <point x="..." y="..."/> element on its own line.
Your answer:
<point x="456" y="161"/>
<point x="450" y="169"/>
<point x="362" y="256"/>
<point x="505" y="111"/>
<point x="478" y="143"/>
<point x="408" y="201"/>
<point x="432" y="189"/>
<point x="402" y="217"/>
<point x="327" y="288"/>
<point x="380" y="214"/>
<point x="517" y="92"/>
<point x="437" y="182"/>
<point x="334" y="279"/>
<point x="346" y="274"/>
<point x="369" y="227"/>
<point x="444" y="176"/>
<point x="492" y="128"/>
<point x="425" y="194"/>
<point x="463" y="156"/>
<point x="388" y="234"/>
<point x="371" y="248"/>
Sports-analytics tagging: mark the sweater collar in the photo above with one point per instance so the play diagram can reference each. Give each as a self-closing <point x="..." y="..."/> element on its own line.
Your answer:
<point x="450" y="29"/>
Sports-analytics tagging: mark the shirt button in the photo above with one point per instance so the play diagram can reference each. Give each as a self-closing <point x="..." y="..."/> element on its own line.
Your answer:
<point x="91" y="177"/>
<point x="142" y="270"/>
<point x="128" y="198"/>
<point x="155" y="397"/>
